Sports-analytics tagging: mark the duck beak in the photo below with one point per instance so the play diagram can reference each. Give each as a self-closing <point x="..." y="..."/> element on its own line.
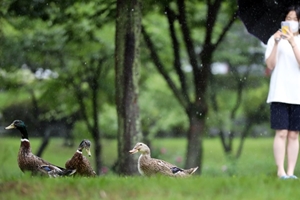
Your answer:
<point x="12" y="126"/>
<point x="88" y="152"/>
<point x="133" y="151"/>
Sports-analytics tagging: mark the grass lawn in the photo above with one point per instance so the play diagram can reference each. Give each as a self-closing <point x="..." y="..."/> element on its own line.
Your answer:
<point x="251" y="177"/>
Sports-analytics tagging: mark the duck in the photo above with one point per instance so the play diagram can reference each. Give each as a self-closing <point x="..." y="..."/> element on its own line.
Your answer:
<point x="28" y="162"/>
<point x="79" y="162"/>
<point x="148" y="166"/>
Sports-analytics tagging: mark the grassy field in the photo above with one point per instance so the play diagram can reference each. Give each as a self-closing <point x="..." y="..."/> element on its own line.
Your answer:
<point x="251" y="177"/>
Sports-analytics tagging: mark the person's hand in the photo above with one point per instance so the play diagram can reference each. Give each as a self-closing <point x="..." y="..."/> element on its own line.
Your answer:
<point x="277" y="36"/>
<point x="289" y="36"/>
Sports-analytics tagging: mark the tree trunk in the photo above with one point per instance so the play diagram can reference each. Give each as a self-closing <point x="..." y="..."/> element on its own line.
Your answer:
<point x="242" y="139"/>
<point x="194" y="143"/>
<point x="95" y="127"/>
<point x="45" y="143"/>
<point x="98" y="150"/>
<point x="128" y="28"/>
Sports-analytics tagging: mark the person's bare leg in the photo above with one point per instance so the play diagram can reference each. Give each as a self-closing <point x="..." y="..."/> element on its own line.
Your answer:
<point x="292" y="151"/>
<point x="279" y="147"/>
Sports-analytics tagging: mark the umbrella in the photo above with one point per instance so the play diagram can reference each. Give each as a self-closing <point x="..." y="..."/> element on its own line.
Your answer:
<point x="262" y="17"/>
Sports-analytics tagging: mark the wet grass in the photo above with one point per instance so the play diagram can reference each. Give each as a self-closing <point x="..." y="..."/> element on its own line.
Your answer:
<point x="250" y="177"/>
<point x="113" y="187"/>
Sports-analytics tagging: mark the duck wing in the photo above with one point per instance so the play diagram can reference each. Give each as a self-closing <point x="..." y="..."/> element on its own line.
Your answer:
<point x="161" y="166"/>
<point x="166" y="168"/>
<point x="54" y="171"/>
<point x="45" y="167"/>
<point x="81" y="164"/>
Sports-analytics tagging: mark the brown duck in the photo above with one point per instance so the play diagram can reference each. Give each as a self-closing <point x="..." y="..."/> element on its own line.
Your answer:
<point x="150" y="166"/>
<point x="79" y="162"/>
<point x="27" y="161"/>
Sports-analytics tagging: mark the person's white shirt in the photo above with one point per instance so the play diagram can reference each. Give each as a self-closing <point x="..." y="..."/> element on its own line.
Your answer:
<point x="285" y="78"/>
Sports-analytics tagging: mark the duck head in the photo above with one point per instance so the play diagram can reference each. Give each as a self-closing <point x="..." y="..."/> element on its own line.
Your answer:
<point x="19" y="124"/>
<point x="16" y="124"/>
<point x="85" y="144"/>
<point x="140" y="147"/>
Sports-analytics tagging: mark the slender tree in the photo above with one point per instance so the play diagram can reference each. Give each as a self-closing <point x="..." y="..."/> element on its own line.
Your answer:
<point x="193" y="102"/>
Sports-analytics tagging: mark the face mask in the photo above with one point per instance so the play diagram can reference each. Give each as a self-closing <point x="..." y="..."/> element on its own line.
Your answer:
<point x="294" y="26"/>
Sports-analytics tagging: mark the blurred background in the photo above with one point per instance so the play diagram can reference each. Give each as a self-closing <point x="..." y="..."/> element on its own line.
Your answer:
<point x="57" y="74"/>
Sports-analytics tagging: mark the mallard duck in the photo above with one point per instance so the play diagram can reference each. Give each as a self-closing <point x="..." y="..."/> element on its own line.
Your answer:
<point x="27" y="161"/>
<point x="80" y="162"/>
<point x="150" y="166"/>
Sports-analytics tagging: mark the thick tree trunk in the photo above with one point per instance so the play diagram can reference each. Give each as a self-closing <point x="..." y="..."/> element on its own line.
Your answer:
<point x="128" y="28"/>
<point x="197" y="112"/>
<point x="194" y="144"/>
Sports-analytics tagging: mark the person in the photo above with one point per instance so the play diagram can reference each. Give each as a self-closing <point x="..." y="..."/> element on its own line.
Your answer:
<point x="282" y="56"/>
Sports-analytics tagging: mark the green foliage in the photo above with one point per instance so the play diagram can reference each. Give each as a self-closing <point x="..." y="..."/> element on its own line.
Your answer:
<point x="71" y="37"/>
<point x="71" y="43"/>
<point x="108" y="124"/>
<point x="108" y="121"/>
<point x="160" y="111"/>
<point x="255" y="106"/>
<point x="240" y="48"/>
<point x="154" y="23"/>
<point x="4" y="7"/>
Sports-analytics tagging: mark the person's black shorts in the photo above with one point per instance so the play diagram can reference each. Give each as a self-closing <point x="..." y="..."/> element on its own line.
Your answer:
<point x="285" y="116"/>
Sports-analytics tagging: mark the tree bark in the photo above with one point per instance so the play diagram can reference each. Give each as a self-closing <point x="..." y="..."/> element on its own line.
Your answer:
<point x="128" y="28"/>
<point x="194" y="152"/>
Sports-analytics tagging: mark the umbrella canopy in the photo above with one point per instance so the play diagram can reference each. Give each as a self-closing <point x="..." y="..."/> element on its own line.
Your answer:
<point x="262" y="18"/>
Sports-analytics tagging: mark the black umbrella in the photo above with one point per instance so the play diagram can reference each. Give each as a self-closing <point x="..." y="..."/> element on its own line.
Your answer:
<point x="262" y="17"/>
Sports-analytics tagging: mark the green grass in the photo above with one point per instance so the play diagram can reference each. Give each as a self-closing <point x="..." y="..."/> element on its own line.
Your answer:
<point x="113" y="187"/>
<point x="251" y="177"/>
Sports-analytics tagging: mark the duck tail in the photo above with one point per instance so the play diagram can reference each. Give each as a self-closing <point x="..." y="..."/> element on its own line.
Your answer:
<point x="67" y="172"/>
<point x="191" y="170"/>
